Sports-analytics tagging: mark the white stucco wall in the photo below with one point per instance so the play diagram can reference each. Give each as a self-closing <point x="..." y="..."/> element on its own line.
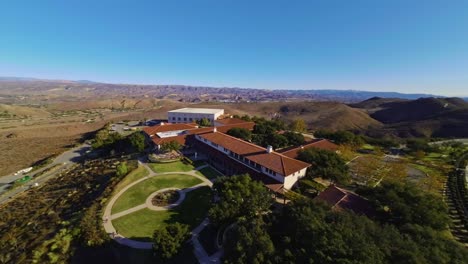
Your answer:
<point x="290" y="180"/>
<point x="173" y="117"/>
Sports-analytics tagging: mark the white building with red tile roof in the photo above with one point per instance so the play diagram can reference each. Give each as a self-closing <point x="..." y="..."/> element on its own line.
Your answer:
<point x="276" y="166"/>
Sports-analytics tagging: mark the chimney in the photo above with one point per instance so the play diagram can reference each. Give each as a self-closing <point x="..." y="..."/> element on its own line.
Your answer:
<point x="269" y="149"/>
<point x="215" y="130"/>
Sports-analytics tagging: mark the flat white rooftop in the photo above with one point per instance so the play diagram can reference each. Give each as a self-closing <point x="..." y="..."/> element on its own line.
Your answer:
<point x="196" y="110"/>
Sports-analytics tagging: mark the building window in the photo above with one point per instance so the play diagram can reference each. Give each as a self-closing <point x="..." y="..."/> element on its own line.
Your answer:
<point x="178" y="118"/>
<point x="191" y="119"/>
<point x="173" y="118"/>
<point x="185" y="119"/>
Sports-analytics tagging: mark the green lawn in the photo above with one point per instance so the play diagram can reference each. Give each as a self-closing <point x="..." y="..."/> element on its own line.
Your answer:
<point x="141" y="224"/>
<point x="209" y="173"/>
<point x="135" y="175"/>
<point x="138" y="193"/>
<point x="170" y="167"/>
<point x="368" y="147"/>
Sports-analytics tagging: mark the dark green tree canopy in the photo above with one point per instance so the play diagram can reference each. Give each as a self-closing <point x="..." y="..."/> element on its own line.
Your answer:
<point x="170" y="146"/>
<point x="241" y="133"/>
<point x="325" y="164"/>
<point x="137" y="140"/>
<point x="401" y="204"/>
<point x="248" y="242"/>
<point x="204" y="122"/>
<point x="239" y="196"/>
<point x="168" y="240"/>
<point x="340" y="137"/>
<point x="294" y="139"/>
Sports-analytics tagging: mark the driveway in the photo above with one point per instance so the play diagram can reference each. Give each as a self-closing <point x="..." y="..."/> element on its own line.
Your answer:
<point x="64" y="161"/>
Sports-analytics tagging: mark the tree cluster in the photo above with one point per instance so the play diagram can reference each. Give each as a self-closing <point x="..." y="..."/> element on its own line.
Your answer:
<point x="204" y="122"/>
<point x="341" y="137"/>
<point x="137" y="140"/>
<point x="168" y="240"/>
<point x="105" y="139"/>
<point x="241" y="133"/>
<point x="238" y="197"/>
<point x="400" y="204"/>
<point x="325" y="164"/>
<point x="170" y="146"/>
<point x="309" y="232"/>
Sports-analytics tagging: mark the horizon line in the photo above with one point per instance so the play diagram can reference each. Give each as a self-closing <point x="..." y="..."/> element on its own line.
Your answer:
<point x="221" y="86"/>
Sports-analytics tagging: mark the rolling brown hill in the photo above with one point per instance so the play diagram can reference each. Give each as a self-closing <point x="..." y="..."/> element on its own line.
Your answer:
<point x="436" y="117"/>
<point x="318" y="115"/>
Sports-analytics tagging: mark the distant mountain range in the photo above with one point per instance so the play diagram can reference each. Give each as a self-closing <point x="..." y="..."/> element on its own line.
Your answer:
<point x="83" y="88"/>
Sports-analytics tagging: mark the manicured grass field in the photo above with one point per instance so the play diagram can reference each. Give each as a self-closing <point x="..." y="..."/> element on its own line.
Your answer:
<point x="138" y="193"/>
<point x="141" y="224"/>
<point x="170" y="167"/>
<point x="209" y="173"/>
<point x="135" y="175"/>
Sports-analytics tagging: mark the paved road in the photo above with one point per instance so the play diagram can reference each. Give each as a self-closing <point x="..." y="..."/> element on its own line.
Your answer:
<point x="64" y="161"/>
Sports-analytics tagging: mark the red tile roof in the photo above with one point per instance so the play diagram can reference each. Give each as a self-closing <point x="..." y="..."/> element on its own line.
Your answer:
<point x="246" y="125"/>
<point x="231" y="121"/>
<point x="166" y="127"/>
<point x="332" y="195"/>
<point x="316" y="143"/>
<point x="273" y="161"/>
<point x="180" y="139"/>
<point x="341" y="199"/>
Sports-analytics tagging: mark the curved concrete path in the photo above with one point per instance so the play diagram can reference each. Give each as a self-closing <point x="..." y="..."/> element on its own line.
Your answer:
<point x="108" y="216"/>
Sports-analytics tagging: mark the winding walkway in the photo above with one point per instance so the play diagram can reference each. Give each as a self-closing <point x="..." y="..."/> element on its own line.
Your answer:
<point x="198" y="249"/>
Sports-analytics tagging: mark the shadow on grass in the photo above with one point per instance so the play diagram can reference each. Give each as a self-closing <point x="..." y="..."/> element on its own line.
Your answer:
<point x="193" y="209"/>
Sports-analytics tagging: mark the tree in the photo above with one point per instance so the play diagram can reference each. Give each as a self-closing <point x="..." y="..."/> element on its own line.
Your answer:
<point x="248" y="242"/>
<point x="137" y="140"/>
<point x="122" y="169"/>
<point x="170" y="146"/>
<point x="402" y="204"/>
<point x="309" y="232"/>
<point x="341" y="137"/>
<point x="168" y="239"/>
<point x="239" y="196"/>
<point x="276" y="141"/>
<point x="294" y="139"/>
<point x="298" y="125"/>
<point x="325" y="164"/>
<point x="204" y="122"/>
<point x="241" y="133"/>
<point x="264" y="129"/>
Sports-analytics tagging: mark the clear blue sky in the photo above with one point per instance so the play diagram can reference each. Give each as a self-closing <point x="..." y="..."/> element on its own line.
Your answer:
<point x="406" y="46"/>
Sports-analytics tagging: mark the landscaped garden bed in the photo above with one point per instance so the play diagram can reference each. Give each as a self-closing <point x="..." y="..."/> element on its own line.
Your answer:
<point x="165" y="198"/>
